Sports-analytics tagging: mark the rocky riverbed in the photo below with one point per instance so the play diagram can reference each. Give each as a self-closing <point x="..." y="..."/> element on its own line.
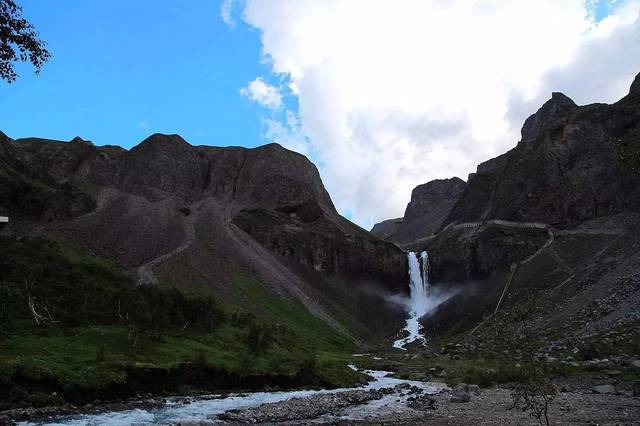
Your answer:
<point x="385" y="400"/>
<point x="493" y="407"/>
<point x="213" y="408"/>
<point x="463" y="405"/>
<point x="306" y="408"/>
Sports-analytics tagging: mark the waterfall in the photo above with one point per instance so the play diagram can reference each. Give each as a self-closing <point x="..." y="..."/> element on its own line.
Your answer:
<point x="425" y="273"/>
<point x="420" y="290"/>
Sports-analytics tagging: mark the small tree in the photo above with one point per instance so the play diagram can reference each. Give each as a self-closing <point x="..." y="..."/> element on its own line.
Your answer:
<point x="535" y="391"/>
<point x="18" y="42"/>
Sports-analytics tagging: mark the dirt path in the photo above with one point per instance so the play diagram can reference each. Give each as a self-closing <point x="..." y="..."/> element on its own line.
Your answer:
<point x="145" y="272"/>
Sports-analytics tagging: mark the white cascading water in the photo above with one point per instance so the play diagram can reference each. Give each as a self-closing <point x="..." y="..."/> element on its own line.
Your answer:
<point x="420" y="290"/>
<point x="425" y="273"/>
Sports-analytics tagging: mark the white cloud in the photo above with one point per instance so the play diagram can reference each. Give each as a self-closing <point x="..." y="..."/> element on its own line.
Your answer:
<point x="226" y="12"/>
<point x="286" y="132"/>
<point x="262" y="93"/>
<point x="393" y="93"/>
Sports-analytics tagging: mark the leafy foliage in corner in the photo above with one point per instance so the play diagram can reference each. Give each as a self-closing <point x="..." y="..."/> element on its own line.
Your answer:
<point x="18" y="41"/>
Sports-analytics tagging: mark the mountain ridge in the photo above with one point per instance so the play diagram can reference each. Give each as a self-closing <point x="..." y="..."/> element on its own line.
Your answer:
<point x="143" y="203"/>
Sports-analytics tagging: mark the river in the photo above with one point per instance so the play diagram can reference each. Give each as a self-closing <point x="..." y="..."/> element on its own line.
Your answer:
<point x="206" y="409"/>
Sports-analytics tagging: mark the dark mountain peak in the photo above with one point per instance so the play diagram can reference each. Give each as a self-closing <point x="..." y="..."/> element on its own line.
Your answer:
<point x="635" y="86"/>
<point x="429" y="206"/>
<point x="163" y="143"/>
<point x="425" y="197"/>
<point x="386" y="228"/>
<point x="572" y="174"/>
<point x="272" y="146"/>
<point x="535" y="124"/>
<point x="560" y="98"/>
<point x="451" y="187"/>
<point x="277" y="149"/>
<point x="79" y="140"/>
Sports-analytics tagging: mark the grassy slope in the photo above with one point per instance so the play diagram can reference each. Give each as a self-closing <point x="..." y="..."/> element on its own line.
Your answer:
<point x="84" y="354"/>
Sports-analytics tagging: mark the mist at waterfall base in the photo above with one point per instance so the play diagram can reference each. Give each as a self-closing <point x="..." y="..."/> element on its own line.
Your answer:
<point x="423" y="299"/>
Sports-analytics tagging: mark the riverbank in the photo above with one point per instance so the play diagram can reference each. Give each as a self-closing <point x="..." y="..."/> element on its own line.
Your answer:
<point x="384" y="400"/>
<point x="206" y="408"/>
<point x="493" y="407"/>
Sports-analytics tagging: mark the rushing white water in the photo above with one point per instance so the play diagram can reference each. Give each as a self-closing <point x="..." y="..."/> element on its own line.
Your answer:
<point x="206" y="409"/>
<point x="425" y="273"/>
<point x="419" y="303"/>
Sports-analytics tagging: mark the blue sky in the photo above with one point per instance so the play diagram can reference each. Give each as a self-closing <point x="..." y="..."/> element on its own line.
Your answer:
<point x="381" y="95"/>
<point x="122" y="70"/>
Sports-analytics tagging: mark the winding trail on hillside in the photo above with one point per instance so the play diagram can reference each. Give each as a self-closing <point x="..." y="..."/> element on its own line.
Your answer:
<point x="145" y="272"/>
<point x="546" y="248"/>
<point x="510" y="224"/>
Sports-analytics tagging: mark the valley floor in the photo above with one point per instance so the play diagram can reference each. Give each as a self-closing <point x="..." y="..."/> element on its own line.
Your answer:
<point x="400" y="404"/>
<point x="412" y="395"/>
<point x="491" y="407"/>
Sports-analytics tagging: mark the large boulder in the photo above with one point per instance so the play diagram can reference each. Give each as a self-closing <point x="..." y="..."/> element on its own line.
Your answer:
<point x="460" y="394"/>
<point x="604" y="389"/>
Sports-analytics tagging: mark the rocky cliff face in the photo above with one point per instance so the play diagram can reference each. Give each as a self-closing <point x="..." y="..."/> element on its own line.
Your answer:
<point x="572" y="164"/>
<point x="386" y="228"/>
<point x="28" y="189"/>
<point x="429" y="206"/>
<point x="206" y="214"/>
<point x="535" y="125"/>
<point x="577" y="171"/>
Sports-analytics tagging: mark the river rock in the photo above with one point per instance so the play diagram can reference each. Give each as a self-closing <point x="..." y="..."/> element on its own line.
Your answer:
<point x="604" y="389"/>
<point x="423" y="403"/>
<point x="6" y="420"/>
<point x="460" y="393"/>
<point x="304" y="408"/>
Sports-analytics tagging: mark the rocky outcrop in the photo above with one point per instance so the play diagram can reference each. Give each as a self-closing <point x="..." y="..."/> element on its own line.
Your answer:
<point x="429" y="206"/>
<point x="635" y="86"/>
<point x="386" y="228"/>
<point x="458" y="255"/>
<point x="28" y="190"/>
<point x="535" y="125"/>
<point x="572" y="164"/>
<point x="300" y="232"/>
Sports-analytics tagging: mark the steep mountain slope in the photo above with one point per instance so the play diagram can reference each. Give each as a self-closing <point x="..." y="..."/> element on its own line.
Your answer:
<point x="567" y="255"/>
<point x="429" y="206"/>
<point x="214" y="219"/>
